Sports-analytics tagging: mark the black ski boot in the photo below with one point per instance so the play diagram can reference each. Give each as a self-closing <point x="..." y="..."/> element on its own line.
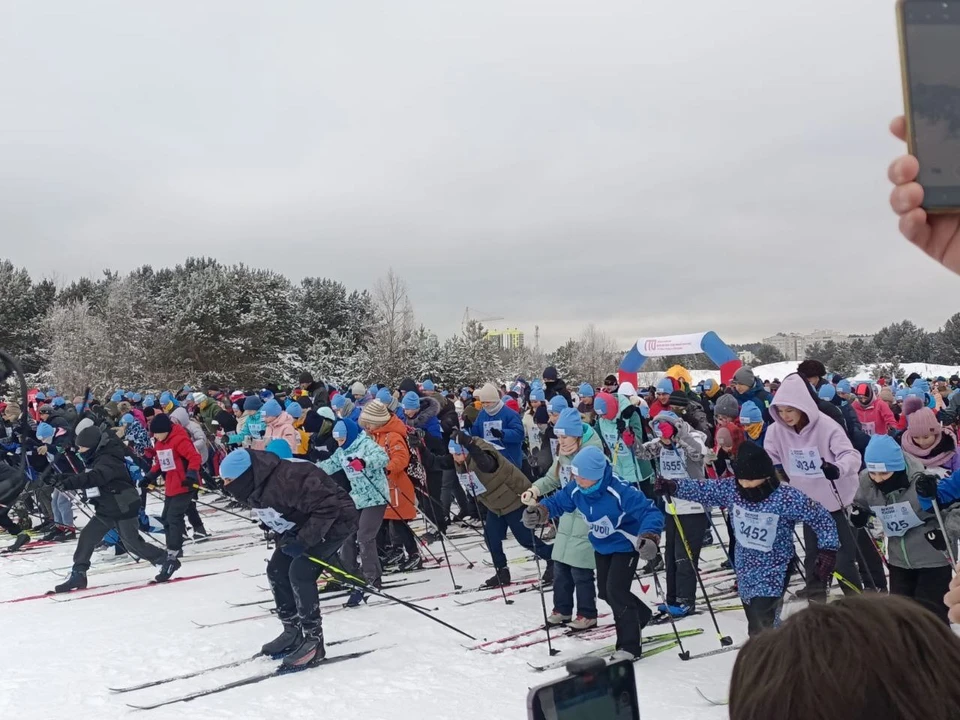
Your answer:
<point x="411" y="563"/>
<point x="170" y="565"/>
<point x="22" y="539"/>
<point x="65" y="534"/>
<point x="501" y="579"/>
<point x="50" y="536"/>
<point x="76" y="581"/>
<point x="200" y="533"/>
<point x="288" y="640"/>
<point x="310" y="650"/>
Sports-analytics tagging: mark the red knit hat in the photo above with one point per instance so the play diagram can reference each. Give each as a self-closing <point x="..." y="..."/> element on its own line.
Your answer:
<point x="610" y="405"/>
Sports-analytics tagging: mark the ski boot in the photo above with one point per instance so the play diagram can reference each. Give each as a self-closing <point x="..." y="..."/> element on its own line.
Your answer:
<point x="411" y="563"/>
<point x="391" y="558"/>
<point x="200" y="533"/>
<point x="431" y="537"/>
<point x="285" y="642"/>
<point x="310" y="650"/>
<point x="331" y="586"/>
<point x="675" y="611"/>
<point x="655" y="565"/>
<point x="625" y="655"/>
<point x="50" y="536"/>
<point x="76" y="581"/>
<point x="558" y="618"/>
<point x="22" y="539"/>
<point x="356" y="597"/>
<point x="170" y="565"/>
<point x="500" y="579"/>
<point x="65" y="534"/>
<point x="582" y="623"/>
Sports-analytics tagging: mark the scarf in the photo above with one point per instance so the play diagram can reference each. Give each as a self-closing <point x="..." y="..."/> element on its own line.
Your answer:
<point x="938" y="455"/>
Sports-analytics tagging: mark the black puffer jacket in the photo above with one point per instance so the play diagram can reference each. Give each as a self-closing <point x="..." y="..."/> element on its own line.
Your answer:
<point x="12" y="482"/>
<point x="107" y="481"/>
<point x="305" y="495"/>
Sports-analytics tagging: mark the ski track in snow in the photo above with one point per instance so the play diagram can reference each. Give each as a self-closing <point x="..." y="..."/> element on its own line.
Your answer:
<point x="423" y="670"/>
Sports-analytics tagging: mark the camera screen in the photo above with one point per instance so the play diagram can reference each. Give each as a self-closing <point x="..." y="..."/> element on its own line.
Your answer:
<point x="932" y="40"/>
<point x="610" y="695"/>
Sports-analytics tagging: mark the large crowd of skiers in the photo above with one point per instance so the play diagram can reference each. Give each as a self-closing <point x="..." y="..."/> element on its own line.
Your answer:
<point x="336" y="475"/>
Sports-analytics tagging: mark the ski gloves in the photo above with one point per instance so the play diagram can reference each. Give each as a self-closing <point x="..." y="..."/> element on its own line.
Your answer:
<point x="648" y="545"/>
<point x="534" y="516"/>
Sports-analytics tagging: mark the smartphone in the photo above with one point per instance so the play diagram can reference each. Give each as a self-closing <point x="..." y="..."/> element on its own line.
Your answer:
<point x="930" y="65"/>
<point x="609" y="693"/>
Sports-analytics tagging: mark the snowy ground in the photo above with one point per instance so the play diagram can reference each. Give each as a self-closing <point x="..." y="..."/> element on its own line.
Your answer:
<point x="60" y="657"/>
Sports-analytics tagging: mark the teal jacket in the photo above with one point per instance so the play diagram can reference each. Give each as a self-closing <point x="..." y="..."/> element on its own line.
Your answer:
<point x="253" y="426"/>
<point x="626" y="465"/>
<point x="572" y="546"/>
<point x="367" y="488"/>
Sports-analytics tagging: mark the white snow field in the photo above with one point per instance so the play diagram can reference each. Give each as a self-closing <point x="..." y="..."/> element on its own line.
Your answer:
<point x="60" y="657"/>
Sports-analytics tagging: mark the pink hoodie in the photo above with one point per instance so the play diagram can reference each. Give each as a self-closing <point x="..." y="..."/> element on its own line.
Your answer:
<point x="282" y="427"/>
<point x="801" y="454"/>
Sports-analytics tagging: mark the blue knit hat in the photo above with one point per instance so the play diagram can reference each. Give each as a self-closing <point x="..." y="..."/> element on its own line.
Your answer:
<point x="884" y="455"/>
<point x="117" y="397"/>
<point x="266" y="394"/>
<point x="750" y="414"/>
<point x="280" y="448"/>
<point x="39" y="396"/>
<point x="665" y="386"/>
<point x="558" y="403"/>
<point x="600" y="405"/>
<point x="384" y="396"/>
<point x="149" y="401"/>
<point x="295" y="410"/>
<point x="569" y="424"/>
<point x="44" y="430"/>
<point x="456" y="448"/>
<point x="844" y="387"/>
<point x="346" y="429"/>
<point x="428" y="385"/>
<point x="920" y="384"/>
<point x="338" y="401"/>
<point x="411" y="401"/>
<point x="828" y="392"/>
<point x="128" y="395"/>
<point x="127" y="419"/>
<point x="465" y="394"/>
<point x="271" y="408"/>
<point x="137" y="397"/>
<point x="537" y="395"/>
<point x="590" y="463"/>
<point x="235" y="464"/>
<point x="252" y="403"/>
<point x="585" y="390"/>
<point x="58" y="402"/>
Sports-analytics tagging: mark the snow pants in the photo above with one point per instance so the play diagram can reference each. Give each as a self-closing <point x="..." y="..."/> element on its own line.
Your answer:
<point x="293" y="581"/>
<point x="175" y="508"/>
<point x="364" y="540"/>
<point x="925" y="585"/>
<point x="495" y="530"/>
<point x="566" y="580"/>
<point x="129" y="530"/>
<point x="615" y="575"/>
<point x="869" y="562"/>
<point x="681" y="571"/>
<point x="846" y="559"/>
<point x="762" y="613"/>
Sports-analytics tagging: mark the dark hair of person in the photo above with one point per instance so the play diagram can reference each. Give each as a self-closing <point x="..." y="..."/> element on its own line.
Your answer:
<point x="859" y="658"/>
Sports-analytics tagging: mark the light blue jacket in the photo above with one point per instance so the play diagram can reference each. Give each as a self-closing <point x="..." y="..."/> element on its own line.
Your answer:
<point x="368" y="488"/>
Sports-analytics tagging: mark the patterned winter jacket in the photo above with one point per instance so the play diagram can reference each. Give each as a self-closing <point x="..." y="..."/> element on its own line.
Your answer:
<point x="369" y="487"/>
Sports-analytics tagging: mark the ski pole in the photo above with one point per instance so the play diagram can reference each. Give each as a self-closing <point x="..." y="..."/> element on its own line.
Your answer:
<point x="443" y="536"/>
<point x="853" y="539"/>
<point x="684" y="654"/>
<point x="725" y="640"/>
<point x="943" y="529"/>
<point x="483" y="523"/>
<point x="543" y="601"/>
<point x="364" y="585"/>
<point x="220" y="509"/>
<point x="723" y="545"/>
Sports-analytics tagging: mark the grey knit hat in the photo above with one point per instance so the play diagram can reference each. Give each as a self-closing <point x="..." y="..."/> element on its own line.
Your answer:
<point x="727" y="406"/>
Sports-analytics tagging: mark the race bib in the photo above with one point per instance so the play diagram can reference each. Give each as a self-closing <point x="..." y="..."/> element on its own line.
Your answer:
<point x="92" y="493"/>
<point x="554" y="444"/>
<point x="471" y="483"/>
<point x="488" y="427"/>
<point x="349" y="471"/>
<point x="165" y="458"/>
<point x="272" y="519"/>
<point x="613" y="442"/>
<point x="601" y="528"/>
<point x="755" y="530"/>
<point x="255" y="429"/>
<point x="868" y="428"/>
<point x="565" y="475"/>
<point x="896" y="518"/>
<point x="673" y="465"/>
<point x="806" y="462"/>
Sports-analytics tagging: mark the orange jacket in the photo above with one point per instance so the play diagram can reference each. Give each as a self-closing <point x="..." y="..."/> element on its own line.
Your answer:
<point x="392" y="437"/>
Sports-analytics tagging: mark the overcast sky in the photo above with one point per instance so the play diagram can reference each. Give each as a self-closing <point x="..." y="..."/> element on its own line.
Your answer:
<point x="653" y="167"/>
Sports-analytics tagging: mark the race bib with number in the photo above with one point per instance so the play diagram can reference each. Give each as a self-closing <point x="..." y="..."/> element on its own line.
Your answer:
<point x="565" y="475"/>
<point x="755" y="530"/>
<point x="673" y="465"/>
<point x="601" y="528"/>
<point x="806" y="462"/>
<point x="896" y="518"/>
<point x="869" y="428"/>
<point x="614" y="443"/>
<point x="92" y="493"/>
<point x="272" y="519"/>
<point x="255" y="429"/>
<point x="489" y="427"/>
<point x="471" y="483"/>
<point x="165" y="458"/>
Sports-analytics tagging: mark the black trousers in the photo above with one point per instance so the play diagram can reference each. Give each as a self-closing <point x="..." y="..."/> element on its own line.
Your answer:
<point x="7" y="524"/>
<point x="193" y="515"/>
<point x="872" y="574"/>
<point x="615" y="575"/>
<point x="762" y="613"/>
<point x="430" y="501"/>
<point x="175" y="509"/>
<point x="294" y="583"/>
<point x="681" y="573"/>
<point x="129" y="530"/>
<point x="846" y="559"/>
<point x="927" y="586"/>
<point x="402" y="536"/>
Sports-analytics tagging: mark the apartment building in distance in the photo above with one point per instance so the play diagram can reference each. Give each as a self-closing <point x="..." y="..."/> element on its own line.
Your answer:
<point x="509" y="339"/>
<point x="793" y="346"/>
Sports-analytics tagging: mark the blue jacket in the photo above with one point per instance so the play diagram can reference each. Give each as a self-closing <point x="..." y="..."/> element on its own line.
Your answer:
<point x="763" y="573"/>
<point x="760" y="397"/>
<point x="617" y="514"/>
<point x="513" y="433"/>
<point x="948" y="492"/>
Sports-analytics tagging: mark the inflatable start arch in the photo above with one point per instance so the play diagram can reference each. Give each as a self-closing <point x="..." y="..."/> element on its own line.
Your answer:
<point x="708" y="343"/>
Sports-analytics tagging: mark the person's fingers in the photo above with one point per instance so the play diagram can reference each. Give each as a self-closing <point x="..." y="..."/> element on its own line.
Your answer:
<point x="913" y="226"/>
<point x="904" y="198"/>
<point x="899" y="127"/>
<point x="903" y="170"/>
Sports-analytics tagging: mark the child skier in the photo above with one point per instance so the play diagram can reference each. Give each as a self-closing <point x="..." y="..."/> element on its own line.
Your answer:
<point x="927" y="443"/>
<point x="620" y="425"/>
<point x="624" y="528"/>
<point x="895" y="488"/>
<point x="763" y="512"/>
<point x="574" y="563"/>
<point x="312" y="517"/>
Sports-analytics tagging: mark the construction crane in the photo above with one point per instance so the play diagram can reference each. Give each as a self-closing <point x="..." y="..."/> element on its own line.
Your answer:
<point x="474" y="314"/>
